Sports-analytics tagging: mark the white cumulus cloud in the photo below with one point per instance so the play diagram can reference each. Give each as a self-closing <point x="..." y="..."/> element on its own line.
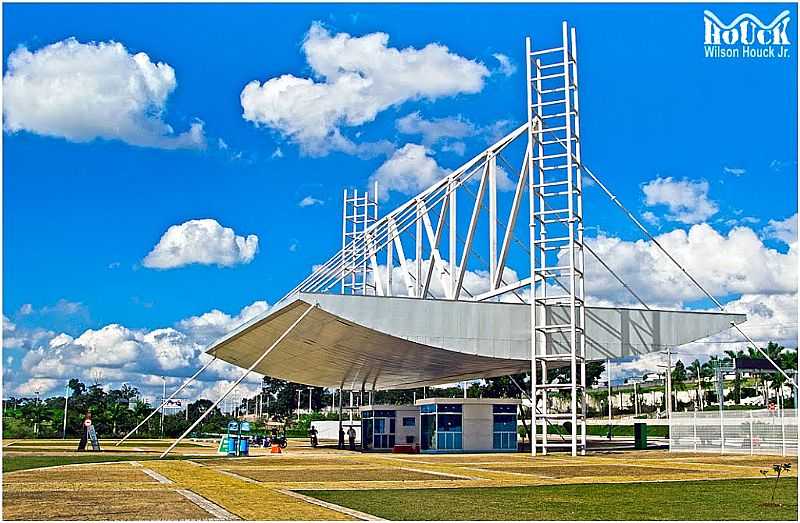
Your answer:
<point x="83" y="91"/>
<point x="115" y="353"/>
<point x="507" y="67"/>
<point x="435" y="129"/>
<point x="783" y="230"/>
<point x="355" y="78"/>
<point x="409" y="170"/>
<point x="201" y="241"/>
<point x="310" y="201"/>
<point x="687" y="200"/>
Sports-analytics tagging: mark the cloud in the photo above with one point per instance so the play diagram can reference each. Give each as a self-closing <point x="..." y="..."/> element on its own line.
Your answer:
<point x="782" y="230"/>
<point x="735" y="171"/>
<point x="115" y="354"/>
<point x="651" y="218"/>
<point x="475" y="281"/>
<point x="84" y="91"/>
<point x="408" y="171"/>
<point x="201" y="241"/>
<point x="687" y="200"/>
<point x="507" y="68"/>
<point x="221" y="144"/>
<point x="726" y="264"/>
<point x="436" y="129"/>
<point x="309" y="201"/>
<point x="458" y="148"/>
<point x="355" y="78"/>
<point x="277" y="153"/>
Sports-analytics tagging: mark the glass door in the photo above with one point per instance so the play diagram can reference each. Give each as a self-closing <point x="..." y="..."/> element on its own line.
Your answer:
<point x="383" y="433"/>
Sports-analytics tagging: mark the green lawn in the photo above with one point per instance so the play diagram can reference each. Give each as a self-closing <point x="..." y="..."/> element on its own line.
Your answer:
<point x="12" y="463"/>
<point x="687" y="500"/>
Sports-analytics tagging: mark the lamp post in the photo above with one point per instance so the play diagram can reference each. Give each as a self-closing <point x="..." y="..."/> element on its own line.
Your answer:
<point x="163" y="397"/>
<point x="66" y="405"/>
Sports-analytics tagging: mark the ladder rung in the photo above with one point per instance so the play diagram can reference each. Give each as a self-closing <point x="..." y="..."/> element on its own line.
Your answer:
<point x="556" y="115"/>
<point x="546" y="51"/>
<point x="557" y="142"/>
<point x="553" y="90"/>
<point x="556" y="167"/>
<point x="553" y="239"/>
<point x="575" y="190"/>
<point x="556" y="297"/>
<point x="548" y="157"/>
<point x="561" y="220"/>
<point x="553" y="268"/>
<point x="550" y="184"/>
<point x="550" y="211"/>
<point x="551" y="102"/>
<point x="557" y="357"/>
<point x="549" y="66"/>
<point x="547" y="77"/>
<point x="558" y="327"/>
<point x="559" y="386"/>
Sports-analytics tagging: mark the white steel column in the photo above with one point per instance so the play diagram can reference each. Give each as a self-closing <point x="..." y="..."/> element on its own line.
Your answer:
<point x="557" y="259"/>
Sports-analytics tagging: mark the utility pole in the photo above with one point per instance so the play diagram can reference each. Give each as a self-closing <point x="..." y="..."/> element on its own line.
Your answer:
<point x="310" y="392"/>
<point x="66" y="405"/>
<point x="669" y="384"/>
<point x="608" y="374"/>
<point x="163" y="397"/>
<point x="298" y="404"/>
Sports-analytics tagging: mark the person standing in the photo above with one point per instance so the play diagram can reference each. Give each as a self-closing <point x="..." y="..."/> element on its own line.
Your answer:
<point x="351" y="435"/>
<point x="87" y="422"/>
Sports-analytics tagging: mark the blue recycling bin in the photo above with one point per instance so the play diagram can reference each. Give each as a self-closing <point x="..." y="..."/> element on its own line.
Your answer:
<point x="238" y="438"/>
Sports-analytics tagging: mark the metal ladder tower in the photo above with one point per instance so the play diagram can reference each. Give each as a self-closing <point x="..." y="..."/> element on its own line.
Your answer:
<point x="360" y="211"/>
<point x="556" y="239"/>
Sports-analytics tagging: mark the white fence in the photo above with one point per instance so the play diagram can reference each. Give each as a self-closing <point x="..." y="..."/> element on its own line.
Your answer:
<point x="735" y="432"/>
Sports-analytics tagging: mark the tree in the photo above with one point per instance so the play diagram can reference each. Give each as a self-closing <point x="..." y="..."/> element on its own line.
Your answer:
<point x="679" y="373"/>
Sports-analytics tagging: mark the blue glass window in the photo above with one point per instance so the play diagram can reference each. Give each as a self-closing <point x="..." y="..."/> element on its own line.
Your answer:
<point x="449" y="407"/>
<point x="410" y="422"/>
<point x="366" y="414"/>
<point x="503" y="409"/>
<point x="427" y="409"/>
<point x="385" y="414"/>
<point x="505" y="423"/>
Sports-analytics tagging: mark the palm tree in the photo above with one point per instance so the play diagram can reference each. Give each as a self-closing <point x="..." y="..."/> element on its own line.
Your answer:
<point x="696" y="371"/>
<point x="737" y="382"/>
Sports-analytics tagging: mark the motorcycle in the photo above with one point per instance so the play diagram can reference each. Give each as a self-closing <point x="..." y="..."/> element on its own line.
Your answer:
<point x="277" y="440"/>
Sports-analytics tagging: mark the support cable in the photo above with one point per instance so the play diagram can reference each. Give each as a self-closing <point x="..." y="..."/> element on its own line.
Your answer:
<point x="241" y="378"/>
<point x="673" y="260"/>
<point x="164" y="401"/>
<point x="533" y="405"/>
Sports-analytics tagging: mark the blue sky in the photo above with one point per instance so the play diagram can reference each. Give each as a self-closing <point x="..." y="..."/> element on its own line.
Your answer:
<point x="81" y="216"/>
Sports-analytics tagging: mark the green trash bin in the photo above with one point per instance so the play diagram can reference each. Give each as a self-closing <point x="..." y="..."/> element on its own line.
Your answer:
<point x="640" y="435"/>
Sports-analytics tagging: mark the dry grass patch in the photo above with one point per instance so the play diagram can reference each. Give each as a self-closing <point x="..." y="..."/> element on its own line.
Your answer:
<point x="122" y="473"/>
<point x="336" y="475"/>
<point x="100" y="505"/>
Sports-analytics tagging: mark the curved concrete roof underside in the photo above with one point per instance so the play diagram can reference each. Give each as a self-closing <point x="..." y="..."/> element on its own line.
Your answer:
<point x="390" y="343"/>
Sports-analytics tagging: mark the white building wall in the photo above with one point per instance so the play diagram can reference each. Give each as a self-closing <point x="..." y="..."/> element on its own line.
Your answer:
<point x="478" y="427"/>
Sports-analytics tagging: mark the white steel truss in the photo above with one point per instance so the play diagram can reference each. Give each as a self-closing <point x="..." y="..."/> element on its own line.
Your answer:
<point x="360" y="212"/>
<point x="557" y="256"/>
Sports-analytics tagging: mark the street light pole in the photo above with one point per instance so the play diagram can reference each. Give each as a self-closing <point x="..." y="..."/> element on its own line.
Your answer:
<point x="669" y="384"/>
<point x="163" y="397"/>
<point x="608" y="374"/>
<point x="66" y="405"/>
